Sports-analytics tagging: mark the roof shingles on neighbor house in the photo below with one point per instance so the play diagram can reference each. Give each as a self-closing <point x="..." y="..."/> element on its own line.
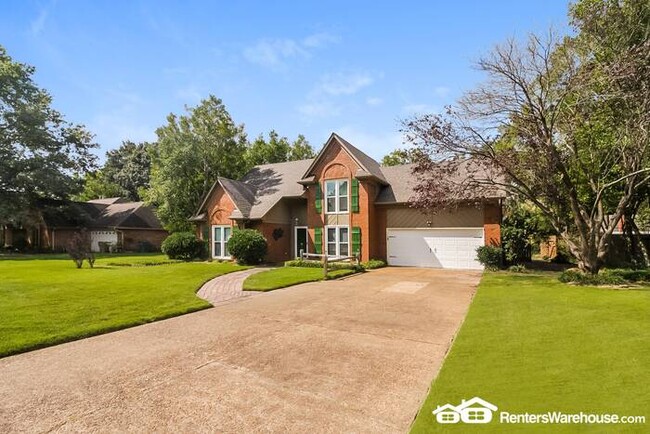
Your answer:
<point x="126" y="224"/>
<point x="289" y="203"/>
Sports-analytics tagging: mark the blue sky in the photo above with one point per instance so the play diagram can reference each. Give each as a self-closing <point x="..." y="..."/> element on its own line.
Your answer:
<point x="353" y="67"/>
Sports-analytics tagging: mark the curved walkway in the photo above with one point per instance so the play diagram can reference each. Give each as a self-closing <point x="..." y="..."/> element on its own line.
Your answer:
<point x="227" y="287"/>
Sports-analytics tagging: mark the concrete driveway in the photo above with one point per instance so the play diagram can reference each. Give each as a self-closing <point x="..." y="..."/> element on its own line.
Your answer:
<point x="356" y="355"/>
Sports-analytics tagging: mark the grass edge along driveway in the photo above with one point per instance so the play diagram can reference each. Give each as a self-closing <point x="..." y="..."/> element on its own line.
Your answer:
<point x="47" y="301"/>
<point x="533" y="344"/>
<point x="283" y="277"/>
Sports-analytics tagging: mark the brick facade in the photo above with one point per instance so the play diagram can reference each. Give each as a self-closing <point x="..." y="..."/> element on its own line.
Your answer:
<point x="492" y="223"/>
<point x="335" y="163"/>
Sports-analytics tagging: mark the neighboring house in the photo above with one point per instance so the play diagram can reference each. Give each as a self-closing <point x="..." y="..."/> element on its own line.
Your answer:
<point x="129" y="226"/>
<point x="343" y="203"/>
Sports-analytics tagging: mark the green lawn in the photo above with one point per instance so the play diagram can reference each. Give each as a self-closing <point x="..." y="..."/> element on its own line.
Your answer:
<point x="288" y="276"/>
<point x="45" y="300"/>
<point x="532" y="344"/>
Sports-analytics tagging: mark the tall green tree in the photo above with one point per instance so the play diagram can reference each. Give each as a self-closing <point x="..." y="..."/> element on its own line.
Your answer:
<point x="193" y="150"/>
<point x="301" y="149"/>
<point x="277" y="149"/>
<point x="42" y="156"/>
<point x="125" y="173"/>
<point x="96" y="185"/>
<point x="399" y="157"/>
<point x="560" y="122"/>
<point x="129" y="167"/>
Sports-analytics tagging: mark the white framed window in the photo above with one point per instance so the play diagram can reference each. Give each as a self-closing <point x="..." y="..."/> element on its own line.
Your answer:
<point x="336" y="196"/>
<point x="337" y="240"/>
<point x="220" y="236"/>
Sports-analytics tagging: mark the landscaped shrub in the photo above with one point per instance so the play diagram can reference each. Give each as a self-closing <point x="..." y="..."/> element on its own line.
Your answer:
<point x="491" y="257"/>
<point x="248" y="246"/>
<point x="372" y="264"/>
<point x="78" y="248"/>
<point x="305" y="263"/>
<point x="184" y="246"/>
<point x="519" y="268"/>
<point x="605" y="277"/>
<point x="318" y="264"/>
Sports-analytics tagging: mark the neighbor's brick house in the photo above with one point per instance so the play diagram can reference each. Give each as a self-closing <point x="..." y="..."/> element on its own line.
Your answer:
<point x="130" y="226"/>
<point x="342" y="203"/>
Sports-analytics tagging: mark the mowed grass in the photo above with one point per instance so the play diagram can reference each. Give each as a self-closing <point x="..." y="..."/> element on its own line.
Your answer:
<point x="532" y="344"/>
<point x="45" y="300"/>
<point x="288" y="276"/>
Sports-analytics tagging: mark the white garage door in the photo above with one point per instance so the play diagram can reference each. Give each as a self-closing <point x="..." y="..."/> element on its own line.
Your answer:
<point x="435" y="248"/>
<point x="97" y="237"/>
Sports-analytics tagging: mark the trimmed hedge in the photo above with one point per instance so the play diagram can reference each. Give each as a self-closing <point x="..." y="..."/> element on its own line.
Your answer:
<point x="184" y="246"/>
<point x="306" y="263"/>
<point x="373" y="264"/>
<point x="605" y="277"/>
<point x="248" y="246"/>
<point x="491" y="257"/>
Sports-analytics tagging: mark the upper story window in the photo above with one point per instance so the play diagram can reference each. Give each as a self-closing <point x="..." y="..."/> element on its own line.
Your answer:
<point x="336" y="195"/>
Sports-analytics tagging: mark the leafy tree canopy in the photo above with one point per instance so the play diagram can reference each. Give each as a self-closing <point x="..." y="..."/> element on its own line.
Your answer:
<point x="193" y="150"/>
<point x="401" y="156"/>
<point x="42" y="156"/>
<point x="563" y="123"/>
<point x="277" y="149"/>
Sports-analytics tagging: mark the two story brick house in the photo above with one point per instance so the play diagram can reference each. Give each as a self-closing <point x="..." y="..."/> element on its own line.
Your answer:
<point x="342" y="203"/>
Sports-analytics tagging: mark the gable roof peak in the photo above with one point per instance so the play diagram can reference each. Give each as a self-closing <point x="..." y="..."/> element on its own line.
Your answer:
<point x="368" y="167"/>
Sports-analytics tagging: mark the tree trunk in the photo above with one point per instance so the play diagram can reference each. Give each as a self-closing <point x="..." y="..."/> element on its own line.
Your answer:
<point x="587" y="254"/>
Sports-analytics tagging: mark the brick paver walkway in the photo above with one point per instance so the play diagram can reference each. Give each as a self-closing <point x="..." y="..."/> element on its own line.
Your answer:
<point x="227" y="287"/>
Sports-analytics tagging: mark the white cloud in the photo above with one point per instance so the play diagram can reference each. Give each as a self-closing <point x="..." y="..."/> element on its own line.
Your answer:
<point x="272" y="53"/>
<point x="190" y="94"/>
<point x="319" y="109"/>
<point x="38" y="24"/>
<point x="374" y="101"/>
<point x="326" y="98"/>
<point x="275" y="53"/>
<point x="318" y="40"/>
<point x="345" y="83"/>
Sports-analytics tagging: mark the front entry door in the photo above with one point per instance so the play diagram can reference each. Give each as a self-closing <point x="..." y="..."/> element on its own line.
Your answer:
<point x="301" y="240"/>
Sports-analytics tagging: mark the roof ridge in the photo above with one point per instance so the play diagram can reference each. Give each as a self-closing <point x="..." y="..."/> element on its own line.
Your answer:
<point x="348" y="144"/>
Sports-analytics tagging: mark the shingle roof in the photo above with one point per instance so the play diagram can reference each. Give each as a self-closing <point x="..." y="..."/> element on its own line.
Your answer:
<point x="368" y="166"/>
<point x="272" y="182"/>
<point x="242" y="194"/>
<point x="402" y="181"/>
<point x="367" y="163"/>
<point x="101" y="213"/>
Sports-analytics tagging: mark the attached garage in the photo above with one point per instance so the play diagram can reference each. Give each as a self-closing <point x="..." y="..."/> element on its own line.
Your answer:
<point x="435" y="248"/>
<point x="97" y="237"/>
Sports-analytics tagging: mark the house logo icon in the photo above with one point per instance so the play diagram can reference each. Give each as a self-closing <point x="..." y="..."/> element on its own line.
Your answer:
<point x="475" y="410"/>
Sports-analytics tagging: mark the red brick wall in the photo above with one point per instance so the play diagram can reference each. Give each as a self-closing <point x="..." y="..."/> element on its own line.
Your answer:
<point x="61" y="238"/>
<point x="131" y="238"/>
<point x="280" y="249"/>
<point x="492" y="223"/>
<point x="336" y="163"/>
<point x="218" y="208"/>
<point x="380" y="232"/>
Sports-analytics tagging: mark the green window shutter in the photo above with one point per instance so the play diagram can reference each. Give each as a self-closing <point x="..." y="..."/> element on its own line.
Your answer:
<point x="355" y="195"/>
<point x="206" y="232"/>
<point x="318" y="240"/>
<point x="319" y="199"/>
<point x="356" y="240"/>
